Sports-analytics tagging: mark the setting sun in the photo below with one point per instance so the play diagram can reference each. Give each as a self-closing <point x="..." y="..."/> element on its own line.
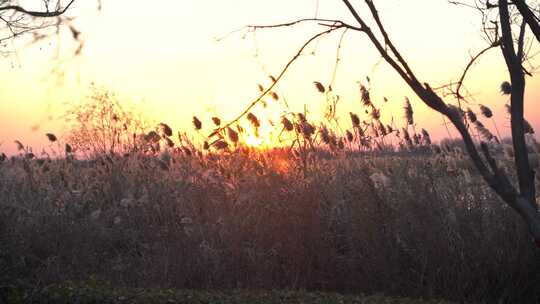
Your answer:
<point x="179" y="70"/>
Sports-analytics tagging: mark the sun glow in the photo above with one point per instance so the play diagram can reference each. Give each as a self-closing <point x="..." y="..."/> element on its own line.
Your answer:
<point x="269" y="133"/>
<point x="175" y="72"/>
<point x="264" y="137"/>
<point x="254" y="141"/>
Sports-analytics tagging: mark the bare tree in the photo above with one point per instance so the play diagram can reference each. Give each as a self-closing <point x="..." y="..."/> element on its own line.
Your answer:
<point x="35" y="18"/>
<point x="529" y="17"/>
<point x="522" y="198"/>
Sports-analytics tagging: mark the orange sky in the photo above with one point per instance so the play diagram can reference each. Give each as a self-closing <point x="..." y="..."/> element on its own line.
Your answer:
<point x="165" y="58"/>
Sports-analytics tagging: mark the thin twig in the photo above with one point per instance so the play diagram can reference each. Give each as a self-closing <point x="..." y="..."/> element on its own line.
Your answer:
<point x="283" y="71"/>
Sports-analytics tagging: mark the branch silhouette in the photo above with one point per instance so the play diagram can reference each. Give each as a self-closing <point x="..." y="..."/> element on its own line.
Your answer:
<point x="522" y="200"/>
<point x="332" y="28"/>
<point x="40" y="14"/>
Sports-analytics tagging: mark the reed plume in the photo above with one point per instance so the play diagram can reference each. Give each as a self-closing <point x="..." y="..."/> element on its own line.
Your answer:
<point x="364" y="96"/>
<point x="197" y="123"/>
<point x="483" y="131"/>
<point x="319" y="87"/>
<point x="506" y="88"/>
<point x="51" y="137"/>
<point x="355" y="120"/>
<point x="233" y="135"/>
<point x="486" y="111"/>
<point x="165" y="129"/>
<point x="426" y="137"/>
<point x="408" y="112"/>
<point x="287" y="124"/>
<point x="471" y="116"/>
<point x="350" y="136"/>
<point x="325" y="135"/>
<point x="220" y="145"/>
<point x="253" y="120"/>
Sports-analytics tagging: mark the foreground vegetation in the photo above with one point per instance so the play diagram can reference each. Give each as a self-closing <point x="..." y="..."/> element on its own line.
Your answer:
<point x="369" y="210"/>
<point x="91" y="292"/>
<point x="416" y="225"/>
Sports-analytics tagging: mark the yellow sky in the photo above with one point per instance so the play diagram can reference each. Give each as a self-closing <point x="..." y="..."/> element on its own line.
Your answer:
<point x="164" y="56"/>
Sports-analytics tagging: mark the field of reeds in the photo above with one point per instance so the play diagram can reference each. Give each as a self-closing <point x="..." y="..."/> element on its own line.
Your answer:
<point x="136" y="207"/>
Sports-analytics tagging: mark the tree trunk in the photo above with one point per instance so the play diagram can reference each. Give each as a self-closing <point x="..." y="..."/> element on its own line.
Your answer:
<point x="531" y="216"/>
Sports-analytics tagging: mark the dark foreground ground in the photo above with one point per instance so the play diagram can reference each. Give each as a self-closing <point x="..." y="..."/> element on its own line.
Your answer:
<point x="96" y="293"/>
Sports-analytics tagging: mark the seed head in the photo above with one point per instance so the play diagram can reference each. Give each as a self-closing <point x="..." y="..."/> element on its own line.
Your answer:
<point x="165" y="129"/>
<point x="374" y="130"/>
<point x="287" y="124"/>
<point x="152" y="137"/>
<point x="254" y="120"/>
<point x="221" y="145"/>
<point x="350" y="136"/>
<point x="319" y="87"/>
<point x="484" y="132"/>
<point x="506" y="88"/>
<point x="364" y="96"/>
<point x="408" y="111"/>
<point x="216" y="121"/>
<point x="197" y="123"/>
<point x="361" y="132"/>
<point x="382" y="128"/>
<point x="486" y="111"/>
<point x="426" y="137"/>
<point x="471" y="116"/>
<point x="240" y="129"/>
<point x="51" y="137"/>
<point x="527" y="128"/>
<point x="375" y="113"/>
<point x="407" y="137"/>
<point x="20" y="146"/>
<point x="68" y="149"/>
<point x="307" y="129"/>
<point x="355" y="120"/>
<point x="325" y="135"/>
<point x="233" y="135"/>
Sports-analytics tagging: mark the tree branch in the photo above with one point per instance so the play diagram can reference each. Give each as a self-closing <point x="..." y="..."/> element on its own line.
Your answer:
<point x="523" y="168"/>
<point x="376" y="43"/>
<point x="521" y="42"/>
<point x="283" y="71"/>
<point x="323" y="22"/>
<point x="36" y="13"/>
<point x="469" y="65"/>
<point x="425" y="93"/>
<point x="529" y="17"/>
<point x="387" y="40"/>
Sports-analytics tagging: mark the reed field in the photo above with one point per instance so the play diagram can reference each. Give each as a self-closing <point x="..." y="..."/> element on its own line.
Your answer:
<point x="368" y="209"/>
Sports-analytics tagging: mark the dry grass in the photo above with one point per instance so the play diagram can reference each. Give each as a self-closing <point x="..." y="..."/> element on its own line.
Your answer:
<point x="404" y="225"/>
<point x="354" y="217"/>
